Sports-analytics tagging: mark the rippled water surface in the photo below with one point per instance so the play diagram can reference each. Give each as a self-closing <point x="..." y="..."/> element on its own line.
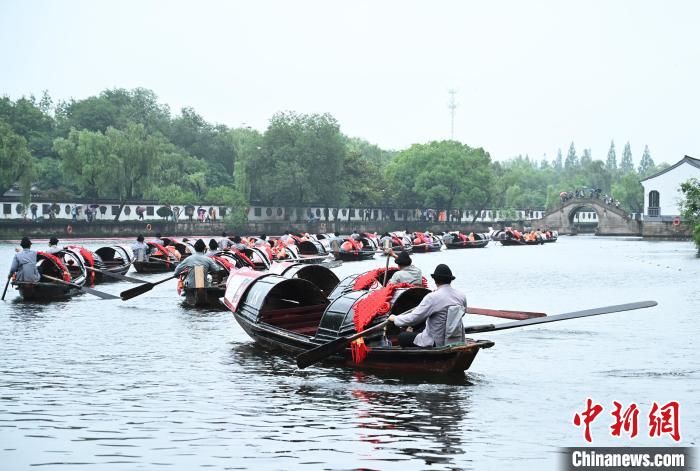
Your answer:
<point x="148" y="384"/>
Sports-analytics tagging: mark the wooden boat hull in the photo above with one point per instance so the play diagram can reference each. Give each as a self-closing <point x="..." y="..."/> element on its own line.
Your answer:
<point x="434" y="247"/>
<point x="468" y="244"/>
<point x="154" y="267"/>
<point x="204" y="297"/>
<point x="520" y="242"/>
<point x="45" y="292"/>
<point x="454" y="359"/>
<point x="354" y="256"/>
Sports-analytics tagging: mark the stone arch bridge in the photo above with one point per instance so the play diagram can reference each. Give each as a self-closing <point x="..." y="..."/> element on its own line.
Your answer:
<point x="611" y="220"/>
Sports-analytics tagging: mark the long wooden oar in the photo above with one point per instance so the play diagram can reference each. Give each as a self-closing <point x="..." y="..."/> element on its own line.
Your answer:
<point x="515" y="315"/>
<point x="560" y="317"/>
<point x="116" y="276"/>
<point x="94" y="292"/>
<point x="4" y="292"/>
<point x="317" y="354"/>
<point x="144" y="288"/>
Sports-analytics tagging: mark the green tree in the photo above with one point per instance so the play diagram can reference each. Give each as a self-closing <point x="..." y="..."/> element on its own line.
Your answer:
<point x="558" y="162"/>
<point x="301" y="161"/>
<point x="571" y="162"/>
<point x="629" y="192"/>
<point x="627" y="163"/>
<point x="611" y="162"/>
<point x="442" y="175"/>
<point x="115" y="108"/>
<point x="15" y="161"/>
<point x="586" y="158"/>
<point x="690" y="207"/>
<point x="646" y="165"/>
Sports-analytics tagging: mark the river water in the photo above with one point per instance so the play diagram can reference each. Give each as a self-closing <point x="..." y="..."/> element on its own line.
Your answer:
<point x="149" y="384"/>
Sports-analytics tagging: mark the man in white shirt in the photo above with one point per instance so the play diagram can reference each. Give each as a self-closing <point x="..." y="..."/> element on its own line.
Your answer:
<point x="434" y="309"/>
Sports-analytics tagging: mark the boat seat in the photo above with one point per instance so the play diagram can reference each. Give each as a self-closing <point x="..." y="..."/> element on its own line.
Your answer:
<point x="303" y="319"/>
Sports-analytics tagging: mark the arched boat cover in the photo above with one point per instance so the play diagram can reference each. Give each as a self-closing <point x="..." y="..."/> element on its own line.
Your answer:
<point x="337" y="321"/>
<point x="273" y="298"/>
<point x="321" y="276"/>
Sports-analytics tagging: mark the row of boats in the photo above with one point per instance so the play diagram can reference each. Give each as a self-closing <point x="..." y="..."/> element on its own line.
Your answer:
<point x="283" y="294"/>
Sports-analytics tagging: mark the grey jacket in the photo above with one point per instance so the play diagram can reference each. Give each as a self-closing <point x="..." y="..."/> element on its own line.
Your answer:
<point x="140" y="250"/>
<point x="410" y="274"/>
<point x="197" y="259"/>
<point x="433" y="310"/>
<point x="24" y="265"/>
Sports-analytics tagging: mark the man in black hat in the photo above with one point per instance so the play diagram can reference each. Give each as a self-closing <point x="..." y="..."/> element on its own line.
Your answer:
<point x="407" y="273"/>
<point x="24" y="263"/>
<point x="53" y="246"/>
<point x="197" y="259"/>
<point x="442" y="312"/>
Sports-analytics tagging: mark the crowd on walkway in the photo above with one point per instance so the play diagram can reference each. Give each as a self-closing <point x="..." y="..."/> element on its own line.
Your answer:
<point x="591" y="193"/>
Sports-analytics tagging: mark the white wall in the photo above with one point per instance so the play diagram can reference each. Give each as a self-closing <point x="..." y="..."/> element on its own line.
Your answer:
<point x="668" y="185"/>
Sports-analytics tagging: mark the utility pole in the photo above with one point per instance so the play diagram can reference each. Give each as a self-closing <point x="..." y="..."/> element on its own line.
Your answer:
<point x="452" y="105"/>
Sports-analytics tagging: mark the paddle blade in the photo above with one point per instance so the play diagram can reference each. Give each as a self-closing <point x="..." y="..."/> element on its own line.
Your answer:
<point x="99" y="294"/>
<point x="137" y="291"/>
<point x="561" y="317"/>
<point x="317" y="354"/>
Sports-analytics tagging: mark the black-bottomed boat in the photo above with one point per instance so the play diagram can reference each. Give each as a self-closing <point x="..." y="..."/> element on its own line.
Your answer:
<point x="293" y="315"/>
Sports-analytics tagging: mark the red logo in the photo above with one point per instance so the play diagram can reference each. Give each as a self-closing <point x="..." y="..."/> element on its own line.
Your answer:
<point x="663" y="420"/>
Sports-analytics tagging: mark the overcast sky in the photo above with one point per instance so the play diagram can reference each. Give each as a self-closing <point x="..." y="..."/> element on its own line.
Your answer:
<point x="531" y="76"/>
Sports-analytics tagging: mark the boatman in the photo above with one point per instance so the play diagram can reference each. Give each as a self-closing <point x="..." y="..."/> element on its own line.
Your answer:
<point x="407" y="272"/>
<point x="442" y="312"/>
<point x="158" y="240"/>
<point x="24" y="263"/>
<point x="238" y="243"/>
<point x="198" y="259"/>
<point x="224" y="242"/>
<point x="262" y="241"/>
<point x="140" y="249"/>
<point x="53" y="246"/>
<point x="213" y="247"/>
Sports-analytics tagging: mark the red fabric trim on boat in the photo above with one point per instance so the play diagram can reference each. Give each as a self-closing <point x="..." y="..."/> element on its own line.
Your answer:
<point x="65" y="274"/>
<point x="87" y="256"/>
<point x="376" y="303"/>
<point x="223" y="262"/>
<point x="366" y="280"/>
<point x="166" y="254"/>
<point x="244" y="257"/>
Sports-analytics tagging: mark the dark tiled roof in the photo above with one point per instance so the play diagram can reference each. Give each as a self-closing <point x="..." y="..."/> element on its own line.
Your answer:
<point x="691" y="160"/>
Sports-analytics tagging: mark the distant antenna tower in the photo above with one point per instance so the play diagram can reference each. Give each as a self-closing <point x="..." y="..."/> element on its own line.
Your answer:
<point x="452" y="105"/>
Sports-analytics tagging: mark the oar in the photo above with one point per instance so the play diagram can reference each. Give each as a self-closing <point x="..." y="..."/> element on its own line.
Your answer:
<point x="4" y="292"/>
<point x="317" y="354"/>
<point x="560" y="317"/>
<point x="94" y="292"/>
<point x="144" y="288"/>
<point x="388" y="257"/>
<point x="116" y="276"/>
<point x="516" y="315"/>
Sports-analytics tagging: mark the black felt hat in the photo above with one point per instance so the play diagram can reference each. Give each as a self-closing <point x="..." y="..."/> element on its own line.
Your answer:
<point x="25" y="243"/>
<point x="403" y="259"/>
<point x="53" y="241"/>
<point x="442" y="274"/>
<point x="200" y="246"/>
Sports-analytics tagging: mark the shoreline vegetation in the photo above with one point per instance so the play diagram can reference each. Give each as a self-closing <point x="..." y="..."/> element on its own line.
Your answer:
<point x="125" y="145"/>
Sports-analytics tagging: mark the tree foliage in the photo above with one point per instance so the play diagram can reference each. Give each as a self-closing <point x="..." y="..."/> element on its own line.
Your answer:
<point x="15" y="160"/>
<point x="627" y="163"/>
<point x="690" y="207"/>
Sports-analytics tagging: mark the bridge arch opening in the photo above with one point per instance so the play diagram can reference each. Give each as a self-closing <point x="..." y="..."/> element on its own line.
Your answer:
<point x="584" y="218"/>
